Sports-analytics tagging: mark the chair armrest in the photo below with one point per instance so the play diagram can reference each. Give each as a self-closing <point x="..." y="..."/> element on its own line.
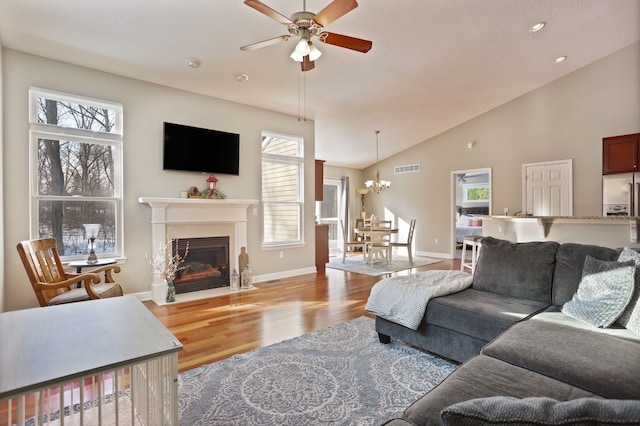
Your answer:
<point x="88" y="278"/>
<point x="108" y="270"/>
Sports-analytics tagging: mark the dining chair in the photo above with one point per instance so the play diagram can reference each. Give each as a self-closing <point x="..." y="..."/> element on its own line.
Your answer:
<point x="382" y="224"/>
<point x="53" y="285"/>
<point x="347" y="243"/>
<point x="378" y="245"/>
<point x="407" y="244"/>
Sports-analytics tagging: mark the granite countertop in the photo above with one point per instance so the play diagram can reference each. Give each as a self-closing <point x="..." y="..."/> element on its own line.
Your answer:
<point x="615" y="218"/>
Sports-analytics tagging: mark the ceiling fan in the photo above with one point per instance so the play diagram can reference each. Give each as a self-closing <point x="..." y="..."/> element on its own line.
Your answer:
<point x="306" y="25"/>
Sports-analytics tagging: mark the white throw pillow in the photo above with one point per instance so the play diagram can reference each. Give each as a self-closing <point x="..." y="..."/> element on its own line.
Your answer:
<point x="630" y="318"/>
<point x="603" y="293"/>
<point x="464" y="220"/>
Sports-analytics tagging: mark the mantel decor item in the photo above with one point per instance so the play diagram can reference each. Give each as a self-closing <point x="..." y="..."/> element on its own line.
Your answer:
<point x="245" y="269"/>
<point x="377" y="185"/>
<point x="166" y="265"/>
<point x="210" y="192"/>
<point x="235" y="280"/>
<point x="92" y="229"/>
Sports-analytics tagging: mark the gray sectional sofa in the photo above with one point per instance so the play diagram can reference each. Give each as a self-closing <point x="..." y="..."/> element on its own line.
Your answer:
<point x="522" y="355"/>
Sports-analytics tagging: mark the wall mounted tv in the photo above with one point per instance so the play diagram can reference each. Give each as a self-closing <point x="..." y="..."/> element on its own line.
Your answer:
<point x="194" y="149"/>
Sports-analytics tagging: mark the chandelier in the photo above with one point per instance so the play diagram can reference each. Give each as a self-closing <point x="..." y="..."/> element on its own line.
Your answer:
<point x="377" y="185"/>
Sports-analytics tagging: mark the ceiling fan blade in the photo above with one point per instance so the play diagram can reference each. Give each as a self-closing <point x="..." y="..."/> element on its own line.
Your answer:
<point x="307" y="64"/>
<point x="265" y="43"/>
<point x="347" y="42"/>
<point x="263" y="8"/>
<point x="334" y="10"/>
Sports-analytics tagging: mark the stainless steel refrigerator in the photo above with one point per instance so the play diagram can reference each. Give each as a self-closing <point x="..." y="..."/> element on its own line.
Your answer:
<point x="621" y="194"/>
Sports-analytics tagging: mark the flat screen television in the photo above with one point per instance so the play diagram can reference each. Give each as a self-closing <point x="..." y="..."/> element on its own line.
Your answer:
<point x="194" y="149"/>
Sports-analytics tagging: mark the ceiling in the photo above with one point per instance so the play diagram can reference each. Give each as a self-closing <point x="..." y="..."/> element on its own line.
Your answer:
<point x="434" y="63"/>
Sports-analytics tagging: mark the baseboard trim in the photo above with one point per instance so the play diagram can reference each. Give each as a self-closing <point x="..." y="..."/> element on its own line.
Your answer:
<point x="433" y="254"/>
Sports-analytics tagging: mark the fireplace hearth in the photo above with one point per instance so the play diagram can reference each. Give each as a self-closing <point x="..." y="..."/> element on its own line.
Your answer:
<point x="206" y="266"/>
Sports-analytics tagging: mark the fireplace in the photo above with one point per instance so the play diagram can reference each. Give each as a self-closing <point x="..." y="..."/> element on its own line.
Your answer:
<point x="206" y="265"/>
<point x="182" y="218"/>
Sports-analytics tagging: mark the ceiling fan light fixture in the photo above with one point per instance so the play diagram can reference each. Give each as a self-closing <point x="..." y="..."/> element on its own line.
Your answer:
<point x="296" y="56"/>
<point x="314" y="52"/>
<point x="302" y="48"/>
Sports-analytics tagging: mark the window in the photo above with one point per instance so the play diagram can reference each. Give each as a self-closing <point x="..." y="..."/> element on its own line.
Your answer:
<point x="282" y="189"/>
<point x="76" y="178"/>
<point x="476" y="193"/>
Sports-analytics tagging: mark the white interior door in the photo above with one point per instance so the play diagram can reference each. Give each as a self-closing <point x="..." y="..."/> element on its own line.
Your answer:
<point x="548" y="188"/>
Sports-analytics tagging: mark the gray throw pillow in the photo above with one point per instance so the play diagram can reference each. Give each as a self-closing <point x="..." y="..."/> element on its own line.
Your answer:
<point x="603" y="293"/>
<point x="522" y="270"/>
<point x="502" y="410"/>
<point x="630" y="318"/>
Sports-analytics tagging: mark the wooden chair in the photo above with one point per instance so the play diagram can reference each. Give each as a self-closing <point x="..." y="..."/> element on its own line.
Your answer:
<point x="407" y="244"/>
<point x="54" y="286"/>
<point x="378" y="245"/>
<point x="351" y="244"/>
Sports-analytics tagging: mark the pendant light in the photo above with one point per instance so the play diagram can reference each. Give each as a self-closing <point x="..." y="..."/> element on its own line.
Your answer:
<point x="377" y="185"/>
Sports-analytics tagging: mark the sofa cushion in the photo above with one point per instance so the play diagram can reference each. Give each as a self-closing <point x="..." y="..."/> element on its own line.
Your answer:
<point x="569" y="264"/>
<point x="630" y="318"/>
<point x="603" y="293"/>
<point x="523" y="270"/>
<point x="553" y="314"/>
<point x="601" y="364"/>
<point x="482" y="377"/>
<point x="478" y="313"/>
<point x="500" y="410"/>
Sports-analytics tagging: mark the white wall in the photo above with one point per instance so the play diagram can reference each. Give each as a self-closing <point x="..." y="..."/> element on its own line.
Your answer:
<point x="2" y="265"/>
<point x="146" y="106"/>
<point x="565" y="119"/>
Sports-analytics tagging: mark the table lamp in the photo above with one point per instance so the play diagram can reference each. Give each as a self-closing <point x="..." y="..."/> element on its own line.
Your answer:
<point x="363" y="192"/>
<point x="92" y="229"/>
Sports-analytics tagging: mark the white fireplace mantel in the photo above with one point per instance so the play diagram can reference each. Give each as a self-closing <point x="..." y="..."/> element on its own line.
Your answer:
<point x="176" y="217"/>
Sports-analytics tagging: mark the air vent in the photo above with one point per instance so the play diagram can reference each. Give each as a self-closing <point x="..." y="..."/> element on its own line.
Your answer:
<point x="410" y="168"/>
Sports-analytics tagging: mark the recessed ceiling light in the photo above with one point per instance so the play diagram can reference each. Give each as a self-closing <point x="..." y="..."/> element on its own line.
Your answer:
<point x="537" y="27"/>
<point x="559" y="59"/>
<point x="242" y="77"/>
<point x="192" y="63"/>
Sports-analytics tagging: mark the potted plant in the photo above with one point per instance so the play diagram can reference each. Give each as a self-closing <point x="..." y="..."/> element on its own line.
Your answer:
<point x="166" y="265"/>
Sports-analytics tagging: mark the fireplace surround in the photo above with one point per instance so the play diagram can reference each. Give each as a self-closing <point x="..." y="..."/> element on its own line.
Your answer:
<point x="181" y="218"/>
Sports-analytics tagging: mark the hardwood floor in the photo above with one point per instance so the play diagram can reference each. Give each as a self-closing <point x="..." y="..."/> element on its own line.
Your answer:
<point x="217" y="328"/>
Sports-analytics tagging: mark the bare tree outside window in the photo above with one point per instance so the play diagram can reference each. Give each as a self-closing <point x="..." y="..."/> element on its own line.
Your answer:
<point x="78" y="147"/>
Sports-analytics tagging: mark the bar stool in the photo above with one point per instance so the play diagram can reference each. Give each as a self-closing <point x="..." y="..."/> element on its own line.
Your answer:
<point x="474" y="242"/>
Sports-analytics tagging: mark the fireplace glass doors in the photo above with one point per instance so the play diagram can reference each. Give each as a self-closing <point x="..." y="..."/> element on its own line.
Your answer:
<point x="206" y="265"/>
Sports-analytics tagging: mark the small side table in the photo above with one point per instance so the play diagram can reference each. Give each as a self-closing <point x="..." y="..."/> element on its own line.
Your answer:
<point x="474" y="242"/>
<point x="79" y="264"/>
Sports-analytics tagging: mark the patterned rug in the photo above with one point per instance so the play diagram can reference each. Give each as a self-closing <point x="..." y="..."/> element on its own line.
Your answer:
<point x="340" y="375"/>
<point x="356" y="264"/>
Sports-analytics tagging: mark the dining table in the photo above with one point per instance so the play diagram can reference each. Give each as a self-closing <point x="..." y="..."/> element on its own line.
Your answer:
<point x="373" y="235"/>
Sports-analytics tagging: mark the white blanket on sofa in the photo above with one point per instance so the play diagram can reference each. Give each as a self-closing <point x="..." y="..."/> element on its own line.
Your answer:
<point x="403" y="300"/>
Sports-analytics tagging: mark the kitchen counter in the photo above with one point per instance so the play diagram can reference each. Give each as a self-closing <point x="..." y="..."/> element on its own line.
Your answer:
<point x="615" y="230"/>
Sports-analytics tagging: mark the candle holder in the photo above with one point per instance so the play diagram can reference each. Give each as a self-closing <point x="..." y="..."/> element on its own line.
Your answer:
<point x="92" y="229"/>
<point x="235" y="281"/>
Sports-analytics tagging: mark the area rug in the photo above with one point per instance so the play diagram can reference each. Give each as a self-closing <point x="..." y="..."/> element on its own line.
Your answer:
<point x="341" y="375"/>
<point x="356" y="264"/>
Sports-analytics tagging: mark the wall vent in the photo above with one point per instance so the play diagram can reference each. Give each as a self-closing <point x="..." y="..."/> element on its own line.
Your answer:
<point x="410" y="168"/>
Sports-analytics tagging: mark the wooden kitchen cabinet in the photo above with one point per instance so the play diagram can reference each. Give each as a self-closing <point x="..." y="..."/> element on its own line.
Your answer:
<point x="620" y="154"/>
<point x="319" y="179"/>
<point x="322" y="246"/>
